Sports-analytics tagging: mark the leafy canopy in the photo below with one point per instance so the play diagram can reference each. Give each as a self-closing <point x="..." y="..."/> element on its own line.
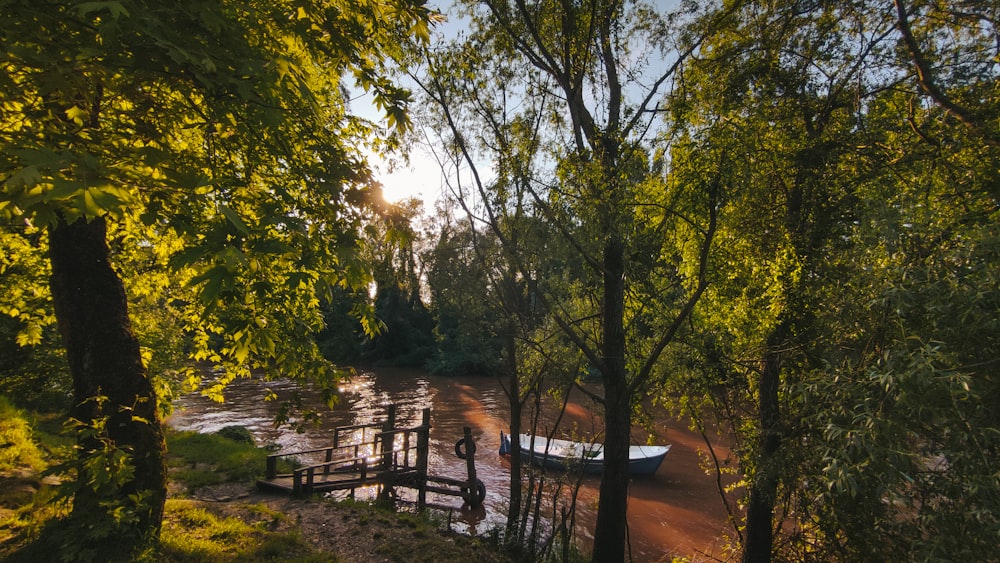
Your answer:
<point x="216" y="134"/>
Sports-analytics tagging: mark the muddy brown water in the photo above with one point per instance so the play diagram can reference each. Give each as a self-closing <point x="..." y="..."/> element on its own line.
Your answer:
<point x="676" y="512"/>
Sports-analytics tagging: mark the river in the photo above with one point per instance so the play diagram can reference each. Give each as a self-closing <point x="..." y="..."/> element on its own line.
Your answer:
<point x="676" y="512"/>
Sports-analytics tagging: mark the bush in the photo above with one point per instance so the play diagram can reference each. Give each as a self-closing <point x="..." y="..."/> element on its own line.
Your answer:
<point x="17" y="445"/>
<point x="237" y="434"/>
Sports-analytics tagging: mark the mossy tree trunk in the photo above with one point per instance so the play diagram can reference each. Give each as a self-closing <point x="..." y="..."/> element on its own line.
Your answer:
<point x="109" y="380"/>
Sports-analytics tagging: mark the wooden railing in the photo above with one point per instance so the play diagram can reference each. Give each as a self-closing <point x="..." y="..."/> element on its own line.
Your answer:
<point x="368" y="457"/>
<point x="338" y="451"/>
<point x="383" y="454"/>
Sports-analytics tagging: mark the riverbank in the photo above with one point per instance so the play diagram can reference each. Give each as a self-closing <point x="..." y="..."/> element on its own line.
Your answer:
<point x="343" y="531"/>
<point x="678" y="512"/>
<point x="212" y="496"/>
<point x="215" y="513"/>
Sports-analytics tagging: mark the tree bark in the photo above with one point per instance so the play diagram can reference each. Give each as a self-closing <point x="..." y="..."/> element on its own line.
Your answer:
<point x="109" y="378"/>
<point x="514" y="383"/>
<point x="760" y="508"/>
<point x="612" y="510"/>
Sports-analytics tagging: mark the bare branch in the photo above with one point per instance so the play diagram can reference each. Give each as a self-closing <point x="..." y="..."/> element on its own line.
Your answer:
<point x="925" y="77"/>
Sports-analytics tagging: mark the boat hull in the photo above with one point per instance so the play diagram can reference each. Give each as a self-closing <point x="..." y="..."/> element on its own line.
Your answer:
<point x="587" y="458"/>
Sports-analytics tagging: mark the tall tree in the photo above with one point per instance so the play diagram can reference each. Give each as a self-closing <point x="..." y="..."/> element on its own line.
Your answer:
<point x="837" y="207"/>
<point x="393" y="245"/>
<point x="221" y="124"/>
<point x="462" y="298"/>
<point x="562" y="97"/>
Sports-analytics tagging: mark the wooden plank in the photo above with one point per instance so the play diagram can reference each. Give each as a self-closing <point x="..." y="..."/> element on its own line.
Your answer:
<point x="444" y="491"/>
<point x="447" y="481"/>
<point x="281" y="484"/>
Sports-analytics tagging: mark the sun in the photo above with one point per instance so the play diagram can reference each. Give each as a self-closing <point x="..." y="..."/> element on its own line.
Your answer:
<point x="419" y="179"/>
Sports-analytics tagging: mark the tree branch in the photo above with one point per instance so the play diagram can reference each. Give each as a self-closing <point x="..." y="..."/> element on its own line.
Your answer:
<point x="703" y="257"/>
<point x="925" y="78"/>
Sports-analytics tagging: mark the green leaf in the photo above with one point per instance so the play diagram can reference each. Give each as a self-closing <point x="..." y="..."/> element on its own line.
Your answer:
<point x="210" y="293"/>
<point x="30" y="335"/>
<point x="234" y="219"/>
<point x="215" y="280"/>
<point x="90" y="206"/>
<point x="76" y="114"/>
<point x="28" y="176"/>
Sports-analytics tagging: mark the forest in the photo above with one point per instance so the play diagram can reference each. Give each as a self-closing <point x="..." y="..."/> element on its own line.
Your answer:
<point x="775" y="218"/>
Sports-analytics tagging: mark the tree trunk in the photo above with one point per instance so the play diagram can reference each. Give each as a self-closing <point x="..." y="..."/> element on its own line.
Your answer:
<point x="760" y="509"/>
<point x="514" y="383"/>
<point x="109" y="379"/>
<point x="612" y="509"/>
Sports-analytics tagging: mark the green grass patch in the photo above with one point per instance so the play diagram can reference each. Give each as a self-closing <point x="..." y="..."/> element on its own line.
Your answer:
<point x="416" y="537"/>
<point x="18" y="448"/>
<point x="197" y="460"/>
<point x="197" y="531"/>
<point x="191" y="533"/>
<point x="29" y="443"/>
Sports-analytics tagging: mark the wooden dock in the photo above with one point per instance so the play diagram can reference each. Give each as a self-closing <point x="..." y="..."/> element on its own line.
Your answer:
<point x="376" y="454"/>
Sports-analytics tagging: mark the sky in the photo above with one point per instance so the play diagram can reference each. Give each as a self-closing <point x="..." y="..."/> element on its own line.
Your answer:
<point x="421" y="178"/>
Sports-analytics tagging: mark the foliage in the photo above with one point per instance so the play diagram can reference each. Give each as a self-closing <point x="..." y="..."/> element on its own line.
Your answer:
<point x="208" y="139"/>
<point x="917" y="407"/>
<point x="24" y="272"/>
<point x="104" y="471"/>
<point x="393" y="245"/>
<point x="342" y="336"/>
<point x="564" y="100"/>
<point x="239" y="434"/>
<point x="858" y="221"/>
<point x="47" y="527"/>
<point x="407" y="334"/>
<point x="17" y="445"/>
<point x="463" y="301"/>
<point x="234" y="173"/>
<point x="32" y="365"/>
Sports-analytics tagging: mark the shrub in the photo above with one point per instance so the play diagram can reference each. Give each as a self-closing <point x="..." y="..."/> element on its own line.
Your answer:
<point x="238" y="434"/>
<point x="17" y="445"/>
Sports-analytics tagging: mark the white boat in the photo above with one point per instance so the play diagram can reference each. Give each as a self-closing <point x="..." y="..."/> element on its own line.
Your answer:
<point x="581" y="456"/>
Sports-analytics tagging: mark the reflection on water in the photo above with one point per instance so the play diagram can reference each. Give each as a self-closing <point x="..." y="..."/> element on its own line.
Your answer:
<point x="659" y="518"/>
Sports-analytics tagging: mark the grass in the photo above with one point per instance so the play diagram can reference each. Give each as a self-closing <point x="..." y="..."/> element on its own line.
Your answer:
<point x="414" y="537"/>
<point x="193" y="530"/>
<point x="191" y="533"/>
<point x="26" y="449"/>
<point x="18" y="449"/>
<point x="198" y="460"/>
<point x="27" y="507"/>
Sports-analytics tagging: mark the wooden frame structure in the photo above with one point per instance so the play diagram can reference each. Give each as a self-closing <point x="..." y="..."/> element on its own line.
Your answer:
<point x="377" y="454"/>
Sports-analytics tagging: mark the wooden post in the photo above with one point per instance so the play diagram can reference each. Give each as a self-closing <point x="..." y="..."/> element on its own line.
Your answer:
<point x="470" y="465"/>
<point x="388" y="438"/>
<point x="271" y="470"/>
<point x="310" y="479"/>
<point x="406" y="450"/>
<point x="423" y="450"/>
